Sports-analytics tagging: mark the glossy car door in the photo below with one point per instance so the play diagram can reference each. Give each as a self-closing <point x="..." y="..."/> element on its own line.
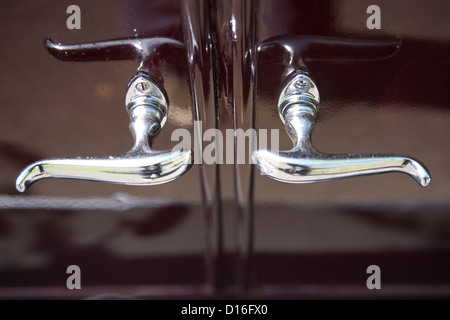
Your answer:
<point x="127" y="240"/>
<point x="224" y="229"/>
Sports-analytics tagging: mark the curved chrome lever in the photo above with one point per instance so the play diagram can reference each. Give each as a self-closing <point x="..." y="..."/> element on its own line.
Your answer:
<point x="297" y="106"/>
<point x="149" y="52"/>
<point x="147" y="107"/>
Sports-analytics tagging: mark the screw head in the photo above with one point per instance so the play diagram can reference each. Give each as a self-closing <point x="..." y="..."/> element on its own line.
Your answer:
<point x="302" y="84"/>
<point x="155" y="128"/>
<point x="143" y="87"/>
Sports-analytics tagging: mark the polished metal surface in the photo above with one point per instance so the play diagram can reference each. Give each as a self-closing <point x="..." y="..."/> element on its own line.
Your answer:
<point x="147" y="51"/>
<point x="298" y="105"/>
<point x="147" y="107"/>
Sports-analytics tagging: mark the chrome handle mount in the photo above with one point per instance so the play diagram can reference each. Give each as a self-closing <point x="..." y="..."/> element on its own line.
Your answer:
<point x="147" y="107"/>
<point x="298" y="105"/>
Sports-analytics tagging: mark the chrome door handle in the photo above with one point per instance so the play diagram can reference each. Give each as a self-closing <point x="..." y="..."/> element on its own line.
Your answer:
<point x="147" y="107"/>
<point x="298" y="105"/>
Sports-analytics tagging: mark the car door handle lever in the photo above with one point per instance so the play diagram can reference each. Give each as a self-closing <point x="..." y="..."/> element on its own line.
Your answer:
<point x="298" y="105"/>
<point x="147" y="107"/>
